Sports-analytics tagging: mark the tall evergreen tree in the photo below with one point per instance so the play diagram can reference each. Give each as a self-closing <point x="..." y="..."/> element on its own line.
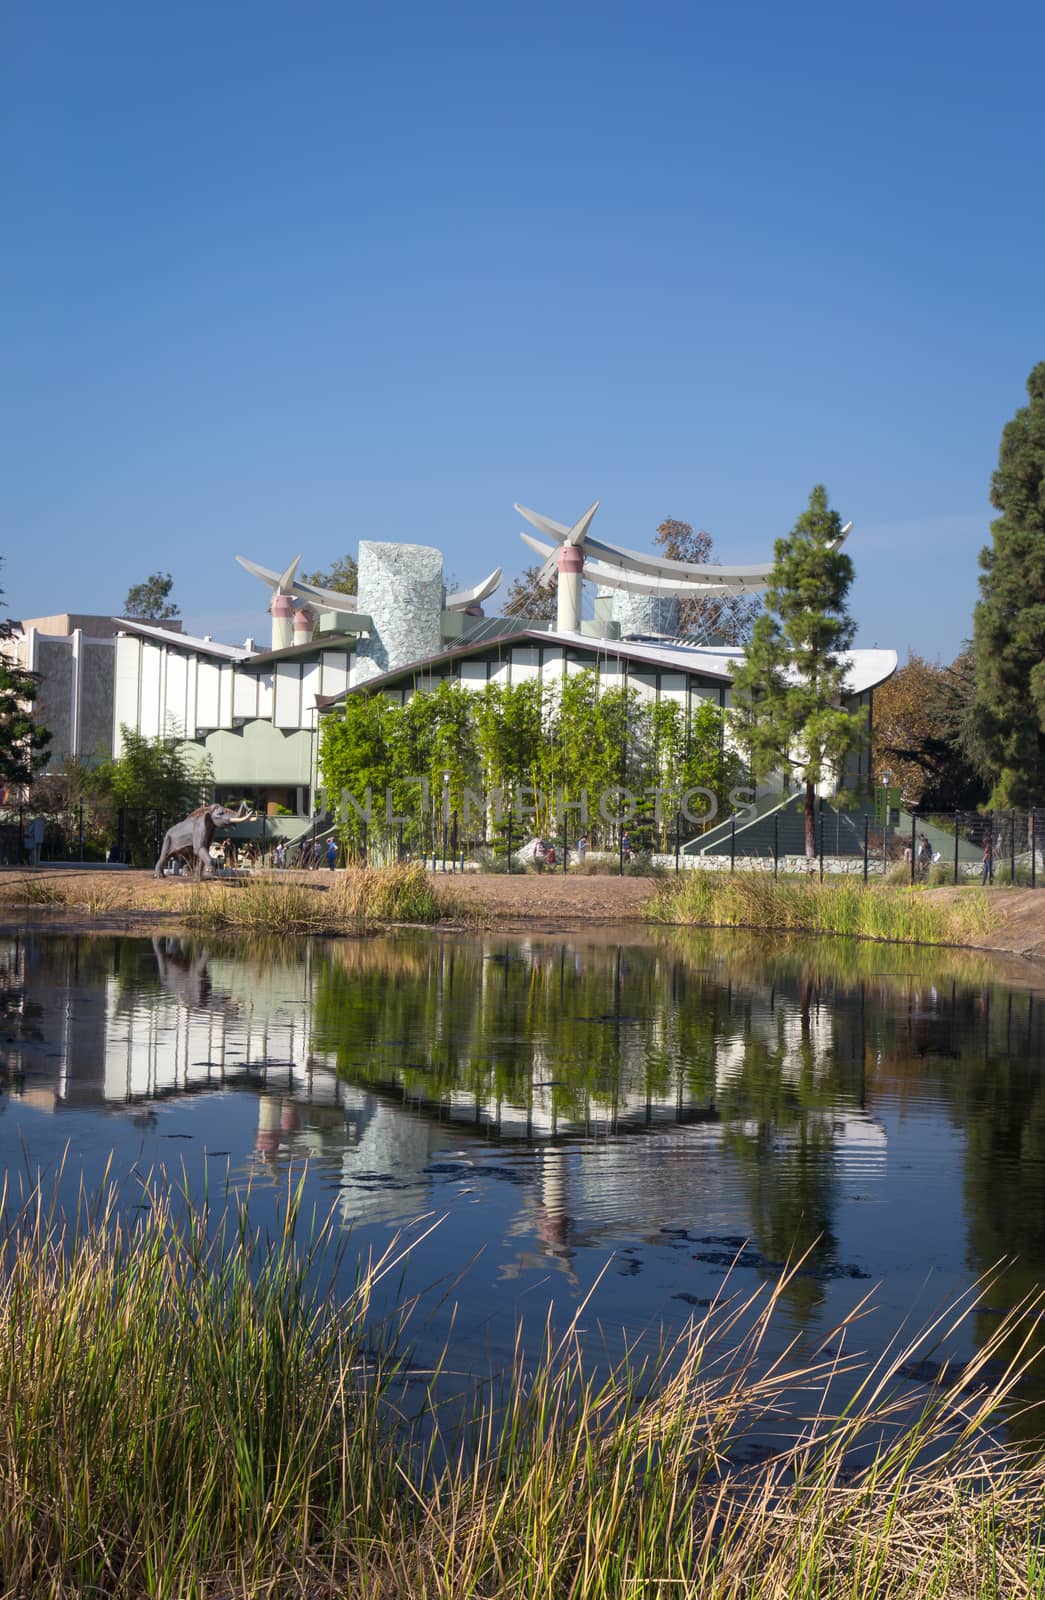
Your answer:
<point x="787" y="690"/>
<point x="23" y="742"/>
<point x="1008" y="715"/>
<point x="151" y="599"/>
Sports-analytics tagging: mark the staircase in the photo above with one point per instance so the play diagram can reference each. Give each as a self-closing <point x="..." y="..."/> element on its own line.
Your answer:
<point x="779" y="820"/>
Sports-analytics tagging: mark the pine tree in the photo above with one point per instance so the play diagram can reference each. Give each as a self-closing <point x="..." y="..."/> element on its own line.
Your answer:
<point x="23" y="742"/>
<point x="1008" y="716"/>
<point x="787" y="690"/>
<point x="151" y="599"/>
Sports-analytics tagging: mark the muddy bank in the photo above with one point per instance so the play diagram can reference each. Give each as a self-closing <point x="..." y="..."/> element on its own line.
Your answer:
<point x="83" y="900"/>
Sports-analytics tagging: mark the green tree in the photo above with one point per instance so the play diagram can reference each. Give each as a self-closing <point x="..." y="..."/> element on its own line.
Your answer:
<point x="354" y="758"/>
<point x="1008" y="716"/>
<point x="729" y="618"/>
<point x="342" y="576"/>
<point x="528" y="597"/>
<point x="788" y="689"/>
<point x="23" y="743"/>
<point x="151" y="599"/>
<point x="919" y="735"/>
<point x="156" y="783"/>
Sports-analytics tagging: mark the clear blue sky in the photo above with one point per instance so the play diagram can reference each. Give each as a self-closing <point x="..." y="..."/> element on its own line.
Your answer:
<point x="275" y="278"/>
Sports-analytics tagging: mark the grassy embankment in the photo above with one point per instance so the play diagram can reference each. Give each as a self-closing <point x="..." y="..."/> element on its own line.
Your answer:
<point x="185" y="1412"/>
<point x="842" y="905"/>
<point x="352" y="900"/>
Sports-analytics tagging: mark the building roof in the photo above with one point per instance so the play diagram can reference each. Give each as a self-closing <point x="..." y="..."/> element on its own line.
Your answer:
<point x="184" y="641"/>
<point x="866" y="667"/>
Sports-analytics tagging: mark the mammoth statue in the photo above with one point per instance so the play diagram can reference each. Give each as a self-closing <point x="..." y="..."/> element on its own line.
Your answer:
<point x="192" y="839"/>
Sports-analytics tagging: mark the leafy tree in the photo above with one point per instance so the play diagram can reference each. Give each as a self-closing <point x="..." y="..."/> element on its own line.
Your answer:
<point x="528" y="597"/>
<point x="342" y="576"/>
<point x="510" y="728"/>
<point x="919" y="735"/>
<point x="150" y="599"/>
<point x="23" y="743"/>
<point x="787" y="690"/>
<point x="730" y="618"/>
<point x="1008" y="716"/>
<point x="156" y="783"/>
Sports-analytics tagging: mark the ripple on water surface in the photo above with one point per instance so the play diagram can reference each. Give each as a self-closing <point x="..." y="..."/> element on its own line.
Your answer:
<point x="661" y="1113"/>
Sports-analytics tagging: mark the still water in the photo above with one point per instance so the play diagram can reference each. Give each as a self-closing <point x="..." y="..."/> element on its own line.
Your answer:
<point x="568" y="1112"/>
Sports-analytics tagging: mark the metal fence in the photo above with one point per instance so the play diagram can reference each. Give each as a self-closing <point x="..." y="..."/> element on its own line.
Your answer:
<point x="128" y="835"/>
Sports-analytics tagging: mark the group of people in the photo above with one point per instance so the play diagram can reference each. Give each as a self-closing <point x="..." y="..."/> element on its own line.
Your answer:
<point x="923" y="856"/>
<point x="309" y="854"/>
<point x="546" y="855"/>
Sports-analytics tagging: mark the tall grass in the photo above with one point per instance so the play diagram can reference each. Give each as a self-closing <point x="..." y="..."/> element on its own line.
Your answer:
<point x="842" y="905"/>
<point x="185" y="1412"/>
<point x="361" y="897"/>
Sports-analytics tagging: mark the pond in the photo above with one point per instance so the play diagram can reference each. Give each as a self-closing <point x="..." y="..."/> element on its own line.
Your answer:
<point x="559" y="1121"/>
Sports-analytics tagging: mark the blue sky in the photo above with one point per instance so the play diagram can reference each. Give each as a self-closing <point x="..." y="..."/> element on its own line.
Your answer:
<point x="276" y="278"/>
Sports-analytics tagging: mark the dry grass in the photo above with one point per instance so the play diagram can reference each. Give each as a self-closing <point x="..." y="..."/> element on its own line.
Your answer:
<point x="269" y="903"/>
<point x="184" y="1411"/>
<point x="362" y="897"/>
<point x="842" y="905"/>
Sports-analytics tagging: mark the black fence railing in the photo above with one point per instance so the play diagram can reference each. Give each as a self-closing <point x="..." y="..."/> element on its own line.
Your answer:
<point x="131" y="835"/>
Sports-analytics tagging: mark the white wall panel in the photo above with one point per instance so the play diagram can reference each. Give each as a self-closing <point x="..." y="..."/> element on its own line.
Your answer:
<point x="288" y="695"/>
<point x="673" y="687"/>
<point x="265" y="694"/>
<point x="128" y="683"/>
<point x="175" y="718"/>
<point x="207" y="680"/>
<point x="225" y="698"/>
<point x="524" y="665"/>
<point x="335" y="671"/>
<point x="150" y="700"/>
<point x="245" y="695"/>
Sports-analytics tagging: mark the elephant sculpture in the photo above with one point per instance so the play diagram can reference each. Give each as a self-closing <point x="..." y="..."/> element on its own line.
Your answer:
<point x="192" y="838"/>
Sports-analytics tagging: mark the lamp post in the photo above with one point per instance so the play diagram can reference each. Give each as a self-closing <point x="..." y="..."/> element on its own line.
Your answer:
<point x="885" y="820"/>
<point x="446" y="812"/>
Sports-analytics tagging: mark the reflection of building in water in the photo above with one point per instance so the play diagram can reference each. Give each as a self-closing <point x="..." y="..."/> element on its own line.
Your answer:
<point x="155" y="1025"/>
<point x="191" y="1022"/>
<point x="801" y="1042"/>
<point x="520" y="1042"/>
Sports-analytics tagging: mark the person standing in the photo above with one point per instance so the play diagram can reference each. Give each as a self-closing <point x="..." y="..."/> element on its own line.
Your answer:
<point x="331" y="852"/>
<point x="582" y="849"/>
<point x="925" y="855"/>
<point x="988" y="860"/>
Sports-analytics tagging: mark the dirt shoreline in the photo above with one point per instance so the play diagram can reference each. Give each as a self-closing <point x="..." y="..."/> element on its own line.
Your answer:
<point x="92" y="901"/>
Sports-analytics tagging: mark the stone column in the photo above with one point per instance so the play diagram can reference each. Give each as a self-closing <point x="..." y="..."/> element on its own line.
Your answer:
<point x="643" y="614"/>
<point x="282" y="621"/>
<point x="304" y="623"/>
<point x="401" y="590"/>
<point x="571" y="571"/>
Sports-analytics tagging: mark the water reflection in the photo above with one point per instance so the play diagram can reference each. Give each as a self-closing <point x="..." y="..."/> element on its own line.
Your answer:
<point x="680" y="1103"/>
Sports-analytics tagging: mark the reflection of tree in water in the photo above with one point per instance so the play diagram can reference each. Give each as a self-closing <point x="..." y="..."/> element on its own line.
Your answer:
<point x="600" y="1031"/>
<point x="584" y="1030"/>
<point x="779" y="1105"/>
<point x="999" y="1094"/>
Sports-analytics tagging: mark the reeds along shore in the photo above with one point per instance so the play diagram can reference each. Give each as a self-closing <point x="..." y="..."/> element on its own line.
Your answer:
<point x="186" y="1411"/>
<point x="360" y="897"/>
<point x="839" y="905"/>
